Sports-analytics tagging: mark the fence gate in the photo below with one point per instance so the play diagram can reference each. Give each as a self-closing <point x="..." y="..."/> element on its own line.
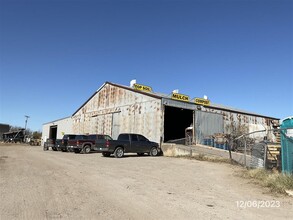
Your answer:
<point x="258" y="152"/>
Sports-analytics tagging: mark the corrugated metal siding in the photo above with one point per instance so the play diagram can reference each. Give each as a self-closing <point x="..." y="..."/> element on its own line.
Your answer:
<point x="207" y="124"/>
<point x="115" y="110"/>
<point x="64" y="126"/>
<point x="253" y="123"/>
<point x="45" y="133"/>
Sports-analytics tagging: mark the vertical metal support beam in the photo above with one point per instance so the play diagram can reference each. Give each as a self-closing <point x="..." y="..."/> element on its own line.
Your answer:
<point x="162" y="135"/>
<point x="265" y="155"/>
<point x="112" y="124"/>
<point x="193" y="130"/>
<point x="245" y="151"/>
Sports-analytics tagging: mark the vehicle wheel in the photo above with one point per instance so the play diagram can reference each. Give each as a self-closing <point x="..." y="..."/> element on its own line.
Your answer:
<point x="140" y="154"/>
<point x="87" y="149"/>
<point x="54" y="148"/>
<point x="45" y="147"/>
<point x="106" y="154"/>
<point x="154" y="151"/>
<point x="119" y="152"/>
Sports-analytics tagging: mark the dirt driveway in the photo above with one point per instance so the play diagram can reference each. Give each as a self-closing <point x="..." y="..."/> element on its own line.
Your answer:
<point x="37" y="184"/>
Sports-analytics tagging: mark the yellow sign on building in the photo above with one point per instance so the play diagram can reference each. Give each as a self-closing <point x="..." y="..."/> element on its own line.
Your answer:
<point x="180" y="97"/>
<point x="200" y="101"/>
<point x="142" y="87"/>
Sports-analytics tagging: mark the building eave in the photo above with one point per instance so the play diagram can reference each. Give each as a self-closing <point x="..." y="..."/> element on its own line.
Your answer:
<point x="161" y="96"/>
<point x="56" y="120"/>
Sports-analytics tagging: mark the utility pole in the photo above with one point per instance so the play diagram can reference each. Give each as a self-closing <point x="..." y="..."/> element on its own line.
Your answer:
<point x="26" y="118"/>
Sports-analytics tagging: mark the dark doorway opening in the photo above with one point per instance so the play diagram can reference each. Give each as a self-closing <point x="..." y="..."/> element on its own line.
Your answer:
<point x="176" y="120"/>
<point x="53" y="132"/>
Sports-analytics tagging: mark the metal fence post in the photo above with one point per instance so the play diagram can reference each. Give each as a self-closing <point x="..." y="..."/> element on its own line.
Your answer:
<point x="265" y="155"/>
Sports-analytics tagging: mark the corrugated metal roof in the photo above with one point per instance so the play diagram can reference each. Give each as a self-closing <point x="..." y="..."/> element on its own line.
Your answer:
<point x="222" y="107"/>
<point x="165" y="96"/>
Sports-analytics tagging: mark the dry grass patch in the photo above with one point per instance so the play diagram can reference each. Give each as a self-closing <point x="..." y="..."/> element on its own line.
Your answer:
<point x="276" y="182"/>
<point x="203" y="157"/>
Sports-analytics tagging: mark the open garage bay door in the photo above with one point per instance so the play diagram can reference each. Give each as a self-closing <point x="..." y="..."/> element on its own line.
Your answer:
<point x="53" y="132"/>
<point x="176" y="120"/>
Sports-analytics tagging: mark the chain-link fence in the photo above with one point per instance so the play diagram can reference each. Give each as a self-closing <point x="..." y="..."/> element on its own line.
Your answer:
<point x="264" y="149"/>
<point x="270" y="149"/>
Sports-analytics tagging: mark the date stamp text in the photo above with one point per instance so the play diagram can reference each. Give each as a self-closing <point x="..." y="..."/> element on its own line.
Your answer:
<point x="258" y="204"/>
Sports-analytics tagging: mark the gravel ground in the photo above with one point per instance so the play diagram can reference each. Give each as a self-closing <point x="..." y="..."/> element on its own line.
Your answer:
<point x="37" y="184"/>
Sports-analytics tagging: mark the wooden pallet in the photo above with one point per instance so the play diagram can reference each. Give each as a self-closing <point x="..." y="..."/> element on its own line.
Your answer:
<point x="273" y="153"/>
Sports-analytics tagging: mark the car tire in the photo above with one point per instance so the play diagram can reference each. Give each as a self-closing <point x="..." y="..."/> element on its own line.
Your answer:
<point x="87" y="149"/>
<point x="154" y="152"/>
<point x="119" y="152"/>
<point x="54" y="148"/>
<point x="105" y="154"/>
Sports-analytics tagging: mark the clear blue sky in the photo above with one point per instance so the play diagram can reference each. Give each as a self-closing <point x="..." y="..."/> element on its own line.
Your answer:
<point x="55" y="54"/>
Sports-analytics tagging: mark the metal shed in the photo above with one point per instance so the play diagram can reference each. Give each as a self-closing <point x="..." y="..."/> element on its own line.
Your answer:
<point x="115" y="108"/>
<point x="56" y="129"/>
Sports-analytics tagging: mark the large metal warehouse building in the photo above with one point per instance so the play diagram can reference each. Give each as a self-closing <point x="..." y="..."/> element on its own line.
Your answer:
<point x="115" y="109"/>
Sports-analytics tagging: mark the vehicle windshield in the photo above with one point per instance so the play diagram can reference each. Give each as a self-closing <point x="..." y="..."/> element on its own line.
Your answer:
<point x="80" y="137"/>
<point x="69" y="136"/>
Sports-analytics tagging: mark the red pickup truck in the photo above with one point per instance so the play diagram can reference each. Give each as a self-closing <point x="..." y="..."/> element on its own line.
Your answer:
<point x="89" y="144"/>
<point x="70" y="140"/>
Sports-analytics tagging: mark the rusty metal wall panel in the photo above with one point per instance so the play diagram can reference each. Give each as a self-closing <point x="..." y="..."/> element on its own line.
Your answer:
<point x="115" y="126"/>
<point x="251" y="122"/>
<point x="115" y="110"/>
<point x="255" y="122"/>
<point x="232" y="119"/>
<point x="144" y="118"/>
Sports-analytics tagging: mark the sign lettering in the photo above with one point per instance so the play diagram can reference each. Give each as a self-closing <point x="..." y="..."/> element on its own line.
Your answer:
<point x="142" y="88"/>
<point x="180" y="97"/>
<point x="200" y="101"/>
